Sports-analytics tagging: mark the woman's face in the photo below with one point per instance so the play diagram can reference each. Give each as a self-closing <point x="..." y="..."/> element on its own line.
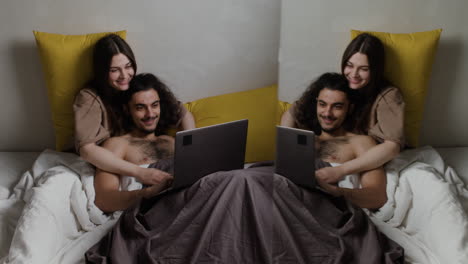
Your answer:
<point x="120" y="72"/>
<point x="357" y="71"/>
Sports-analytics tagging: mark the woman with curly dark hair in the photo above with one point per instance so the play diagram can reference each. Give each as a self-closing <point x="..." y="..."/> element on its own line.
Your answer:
<point x="378" y="112"/>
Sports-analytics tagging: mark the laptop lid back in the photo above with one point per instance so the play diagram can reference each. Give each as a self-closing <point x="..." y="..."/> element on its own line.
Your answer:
<point x="201" y="151"/>
<point x="295" y="155"/>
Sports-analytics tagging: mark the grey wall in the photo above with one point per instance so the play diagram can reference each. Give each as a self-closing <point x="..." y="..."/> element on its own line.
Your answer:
<point x="200" y="48"/>
<point x="208" y="47"/>
<point x="315" y="33"/>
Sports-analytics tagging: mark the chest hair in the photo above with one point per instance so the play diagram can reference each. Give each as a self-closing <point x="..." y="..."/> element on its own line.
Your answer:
<point x="154" y="149"/>
<point x="330" y="149"/>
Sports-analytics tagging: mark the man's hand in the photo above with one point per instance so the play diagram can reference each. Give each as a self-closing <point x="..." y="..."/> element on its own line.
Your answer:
<point x="329" y="174"/>
<point x="151" y="176"/>
<point x="330" y="188"/>
<point x="157" y="188"/>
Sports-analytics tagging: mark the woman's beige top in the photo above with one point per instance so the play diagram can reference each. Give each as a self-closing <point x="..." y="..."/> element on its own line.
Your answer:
<point x="387" y="117"/>
<point x="386" y="120"/>
<point x="92" y="124"/>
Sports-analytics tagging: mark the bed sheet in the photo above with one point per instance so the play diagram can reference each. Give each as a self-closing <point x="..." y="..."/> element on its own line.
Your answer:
<point x="48" y="216"/>
<point x="457" y="158"/>
<point x="427" y="206"/>
<point x="14" y="164"/>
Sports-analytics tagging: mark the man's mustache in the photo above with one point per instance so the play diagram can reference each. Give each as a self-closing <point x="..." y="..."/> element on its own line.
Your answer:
<point x="328" y="118"/>
<point x="149" y="118"/>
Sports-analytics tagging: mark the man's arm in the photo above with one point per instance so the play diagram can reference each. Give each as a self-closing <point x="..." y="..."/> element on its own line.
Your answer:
<point x="287" y="119"/>
<point x="108" y="196"/>
<point x="373" y="193"/>
<point x="188" y="121"/>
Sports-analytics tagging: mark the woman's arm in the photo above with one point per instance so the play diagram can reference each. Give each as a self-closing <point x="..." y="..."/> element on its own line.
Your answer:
<point x="106" y="160"/>
<point x="374" y="157"/>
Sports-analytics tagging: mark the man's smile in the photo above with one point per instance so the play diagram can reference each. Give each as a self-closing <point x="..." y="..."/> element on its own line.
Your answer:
<point x="328" y="120"/>
<point x="149" y="120"/>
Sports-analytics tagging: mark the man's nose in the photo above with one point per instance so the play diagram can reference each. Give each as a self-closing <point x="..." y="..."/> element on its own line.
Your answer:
<point x="147" y="112"/>
<point x="150" y="112"/>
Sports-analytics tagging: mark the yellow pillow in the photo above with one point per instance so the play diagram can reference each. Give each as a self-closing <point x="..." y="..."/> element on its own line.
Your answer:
<point x="257" y="105"/>
<point x="67" y="64"/>
<point x="281" y="109"/>
<point x="408" y="66"/>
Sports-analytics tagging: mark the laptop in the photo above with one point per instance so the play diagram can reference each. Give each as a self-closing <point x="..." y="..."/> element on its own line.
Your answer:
<point x="201" y="151"/>
<point x="295" y="155"/>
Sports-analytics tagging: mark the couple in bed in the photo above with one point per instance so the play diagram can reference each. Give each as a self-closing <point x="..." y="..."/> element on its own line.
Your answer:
<point x="241" y="216"/>
<point x="377" y="111"/>
<point x="191" y="226"/>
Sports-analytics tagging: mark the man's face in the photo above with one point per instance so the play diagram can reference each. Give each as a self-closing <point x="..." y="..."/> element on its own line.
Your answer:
<point x="144" y="110"/>
<point x="332" y="108"/>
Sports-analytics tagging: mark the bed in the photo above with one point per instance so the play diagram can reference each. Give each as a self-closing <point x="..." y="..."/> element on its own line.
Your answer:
<point x="45" y="217"/>
<point x="69" y="244"/>
<point x="47" y="198"/>
<point x="61" y="226"/>
<point x="426" y="211"/>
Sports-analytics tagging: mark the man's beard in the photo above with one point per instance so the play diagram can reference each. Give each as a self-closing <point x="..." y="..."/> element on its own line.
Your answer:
<point x="330" y="130"/>
<point x="146" y="131"/>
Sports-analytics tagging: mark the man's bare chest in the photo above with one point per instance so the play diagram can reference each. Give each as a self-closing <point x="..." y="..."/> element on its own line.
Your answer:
<point x="149" y="151"/>
<point x="335" y="150"/>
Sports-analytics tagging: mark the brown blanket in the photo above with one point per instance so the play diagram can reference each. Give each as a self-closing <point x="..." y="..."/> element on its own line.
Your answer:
<point x="314" y="227"/>
<point x="223" y="218"/>
<point x="236" y="217"/>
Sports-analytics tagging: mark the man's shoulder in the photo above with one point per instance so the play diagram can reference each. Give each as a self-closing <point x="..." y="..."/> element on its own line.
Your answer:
<point x="355" y="139"/>
<point x="362" y="139"/>
<point x="362" y="143"/>
<point x="167" y="138"/>
<point x="117" y="142"/>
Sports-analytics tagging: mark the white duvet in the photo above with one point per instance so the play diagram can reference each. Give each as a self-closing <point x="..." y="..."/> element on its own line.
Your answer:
<point x="426" y="208"/>
<point x="58" y="221"/>
<point x="50" y="217"/>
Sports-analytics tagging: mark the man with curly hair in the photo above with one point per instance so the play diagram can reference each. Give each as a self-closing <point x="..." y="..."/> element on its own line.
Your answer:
<point x="326" y="108"/>
<point x="149" y="107"/>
